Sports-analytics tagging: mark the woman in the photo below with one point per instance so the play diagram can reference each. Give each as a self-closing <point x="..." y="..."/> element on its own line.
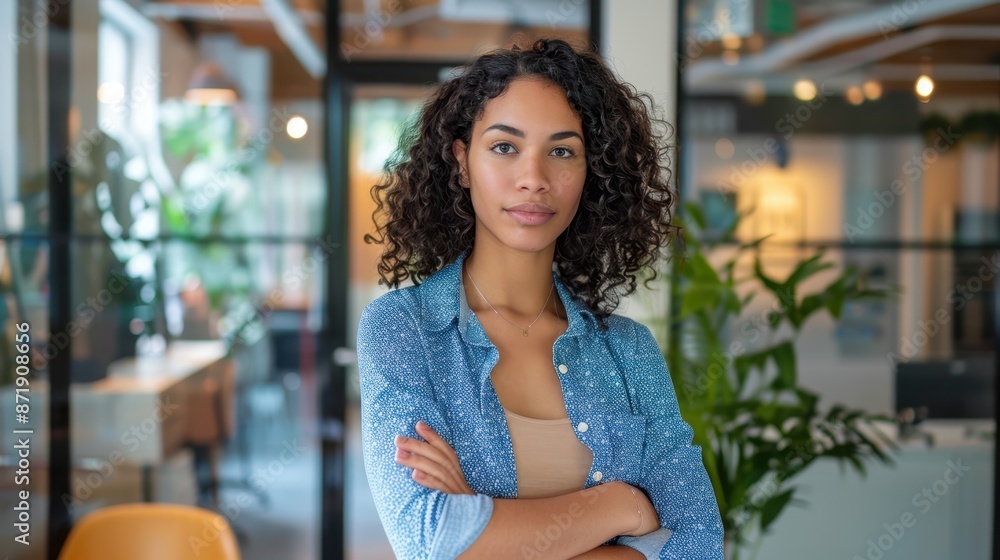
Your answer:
<point x="506" y="411"/>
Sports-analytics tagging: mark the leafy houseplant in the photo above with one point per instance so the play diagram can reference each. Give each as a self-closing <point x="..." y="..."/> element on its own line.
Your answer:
<point x="757" y="427"/>
<point x="216" y="157"/>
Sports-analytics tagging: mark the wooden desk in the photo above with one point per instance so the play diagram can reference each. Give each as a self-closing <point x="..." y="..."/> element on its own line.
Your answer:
<point x="144" y="411"/>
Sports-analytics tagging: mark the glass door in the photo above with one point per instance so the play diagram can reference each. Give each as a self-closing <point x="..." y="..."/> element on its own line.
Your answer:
<point x="377" y="115"/>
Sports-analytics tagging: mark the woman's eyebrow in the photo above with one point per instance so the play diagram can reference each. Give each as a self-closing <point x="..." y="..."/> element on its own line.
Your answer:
<point x="520" y="134"/>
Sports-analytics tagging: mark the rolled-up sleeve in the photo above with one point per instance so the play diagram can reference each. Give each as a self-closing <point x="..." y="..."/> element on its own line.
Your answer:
<point x="673" y="473"/>
<point x="420" y="523"/>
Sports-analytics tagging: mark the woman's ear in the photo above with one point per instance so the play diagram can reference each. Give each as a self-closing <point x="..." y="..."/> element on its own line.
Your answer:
<point x="459" y="149"/>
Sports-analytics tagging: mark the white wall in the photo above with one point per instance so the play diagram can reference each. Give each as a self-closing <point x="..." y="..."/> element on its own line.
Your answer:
<point x="850" y="517"/>
<point x="639" y="43"/>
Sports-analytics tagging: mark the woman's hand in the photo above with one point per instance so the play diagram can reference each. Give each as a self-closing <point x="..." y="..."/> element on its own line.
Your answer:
<point x="650" y="519"/>
<point x="434" y="463"/>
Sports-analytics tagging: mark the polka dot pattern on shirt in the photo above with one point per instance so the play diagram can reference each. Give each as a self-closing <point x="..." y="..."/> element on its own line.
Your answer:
<point x="423" y="355"/>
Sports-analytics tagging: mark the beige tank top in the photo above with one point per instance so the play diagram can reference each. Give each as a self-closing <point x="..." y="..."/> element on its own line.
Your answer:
<point x="549" y="458"/>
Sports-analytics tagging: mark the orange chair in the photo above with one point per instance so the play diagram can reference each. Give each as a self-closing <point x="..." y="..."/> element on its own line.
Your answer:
<point x="151" y="531"/>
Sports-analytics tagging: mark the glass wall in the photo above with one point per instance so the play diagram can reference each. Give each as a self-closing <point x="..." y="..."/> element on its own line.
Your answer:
<point x="197" y="193"/>
<point x="867" y="139"/>
<point x="24" y="284"/>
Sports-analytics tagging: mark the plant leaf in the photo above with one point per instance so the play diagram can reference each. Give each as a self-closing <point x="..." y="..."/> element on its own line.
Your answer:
<point x="696" y="214"/>
<point x="784" y="358"/>
<point x="807" y="268"/>
<point x="770" y="510"/>
<point x="769" y="282"/>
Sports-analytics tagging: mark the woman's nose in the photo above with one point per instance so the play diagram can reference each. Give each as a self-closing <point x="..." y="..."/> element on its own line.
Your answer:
<point x="532" y="173"/>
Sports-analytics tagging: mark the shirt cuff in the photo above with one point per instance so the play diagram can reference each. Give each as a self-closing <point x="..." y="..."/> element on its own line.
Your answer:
<point x="649" y="544"/>
<point x="463" y="518"/>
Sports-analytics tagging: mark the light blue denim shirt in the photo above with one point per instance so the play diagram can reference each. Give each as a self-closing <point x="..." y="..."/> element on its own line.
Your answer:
<point x="424" y="355"/>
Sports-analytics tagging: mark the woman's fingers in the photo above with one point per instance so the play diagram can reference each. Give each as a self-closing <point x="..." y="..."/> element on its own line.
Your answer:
<point x="432" y="482"/>
<point x="434" y="457"/>
<point x="425" y="450"/>
<point x="423" y="456"/>
<point x="427" y="466"/>
<point x="437" y="441"/>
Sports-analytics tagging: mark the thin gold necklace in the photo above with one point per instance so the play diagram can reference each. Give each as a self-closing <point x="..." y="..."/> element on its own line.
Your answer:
<point x="525" y="330"/>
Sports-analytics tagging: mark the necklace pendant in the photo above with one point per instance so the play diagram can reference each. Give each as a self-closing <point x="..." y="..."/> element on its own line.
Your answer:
<point x="525" y="333"/>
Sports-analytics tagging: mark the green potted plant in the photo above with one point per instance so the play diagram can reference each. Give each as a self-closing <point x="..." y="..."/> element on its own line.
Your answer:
<point x="214" y="156"/>
<point x="757" y="427"/>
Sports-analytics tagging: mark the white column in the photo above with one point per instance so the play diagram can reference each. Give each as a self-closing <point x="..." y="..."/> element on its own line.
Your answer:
<point x="639" y="40"/>
<point x="640" y="43"/>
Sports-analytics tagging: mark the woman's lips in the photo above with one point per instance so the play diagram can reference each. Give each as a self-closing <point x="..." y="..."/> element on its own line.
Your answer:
<point x="530" y="218"/>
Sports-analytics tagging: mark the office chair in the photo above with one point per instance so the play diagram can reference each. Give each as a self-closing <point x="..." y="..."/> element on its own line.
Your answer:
<point x="151" y="531"/>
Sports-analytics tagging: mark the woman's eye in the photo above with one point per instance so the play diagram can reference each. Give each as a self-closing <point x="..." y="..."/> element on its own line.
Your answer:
<point x="566" y="152"/>
<point x="502" y="148"/>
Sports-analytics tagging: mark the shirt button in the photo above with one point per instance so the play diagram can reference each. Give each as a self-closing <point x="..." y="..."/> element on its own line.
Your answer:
<point x="598" y="476"/>
<point x="563" y="368"/>
<point x="582" y="426"/>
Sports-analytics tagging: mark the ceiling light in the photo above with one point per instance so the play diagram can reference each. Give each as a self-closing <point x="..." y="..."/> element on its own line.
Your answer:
<point x="924" y="86"/>
<point x="210" y="86"/>
<point x="804" y="90"/>
<point x="872" y="89"/>
<point x="854" y="95"/>
<point x="297" y="127"/>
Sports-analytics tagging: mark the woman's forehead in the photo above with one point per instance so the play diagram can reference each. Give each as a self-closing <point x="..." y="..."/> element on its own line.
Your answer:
<point x="533" y="106"/>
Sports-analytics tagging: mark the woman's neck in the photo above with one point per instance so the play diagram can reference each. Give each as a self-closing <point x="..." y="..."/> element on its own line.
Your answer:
<point x="516" y="283"/>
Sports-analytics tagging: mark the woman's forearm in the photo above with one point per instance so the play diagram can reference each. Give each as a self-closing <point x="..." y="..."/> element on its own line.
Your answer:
<point x="556" y="528"/>
<point x="614" y="552"/>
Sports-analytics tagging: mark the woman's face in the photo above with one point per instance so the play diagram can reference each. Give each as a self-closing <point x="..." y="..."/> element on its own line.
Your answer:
<point x="527" y="149"/>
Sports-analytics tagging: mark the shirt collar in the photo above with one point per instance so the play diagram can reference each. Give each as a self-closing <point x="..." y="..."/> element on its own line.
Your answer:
<point x="443" y="299"/>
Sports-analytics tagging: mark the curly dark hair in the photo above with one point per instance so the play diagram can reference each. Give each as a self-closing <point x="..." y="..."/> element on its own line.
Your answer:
<point x="625" y="213"/>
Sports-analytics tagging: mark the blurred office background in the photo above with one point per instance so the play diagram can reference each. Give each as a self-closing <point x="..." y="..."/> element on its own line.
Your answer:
<point x="868" y="129"/>
<point x="184" y="187"/>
